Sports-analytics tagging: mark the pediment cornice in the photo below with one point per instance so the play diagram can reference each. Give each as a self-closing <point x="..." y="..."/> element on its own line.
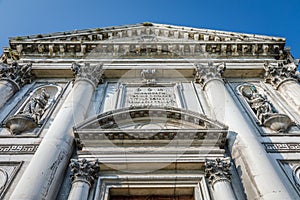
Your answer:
<point x="146" y="38"/>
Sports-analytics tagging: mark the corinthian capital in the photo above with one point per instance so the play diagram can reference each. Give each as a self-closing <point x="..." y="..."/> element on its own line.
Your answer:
<point x="218" y="170"/>
<point x="18" y="74"/>
<point x="84" y="170"/>
<point x="204" y="74"/>
<point x="87" y="72"/>
<point x="278" y="73"/>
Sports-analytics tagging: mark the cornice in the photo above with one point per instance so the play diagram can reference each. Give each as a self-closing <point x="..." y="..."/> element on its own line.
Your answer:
<point x="145" y="39"/>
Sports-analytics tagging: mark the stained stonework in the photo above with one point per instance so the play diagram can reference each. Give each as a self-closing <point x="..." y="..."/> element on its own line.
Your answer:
<point x="181" y="113"/>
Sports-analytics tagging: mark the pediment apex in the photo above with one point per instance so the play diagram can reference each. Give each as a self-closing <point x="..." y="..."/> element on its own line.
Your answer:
<point x="147" y="31"/>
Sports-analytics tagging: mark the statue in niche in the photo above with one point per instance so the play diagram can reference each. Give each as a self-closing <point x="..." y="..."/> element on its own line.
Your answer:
<point x="265" y="112"/>
<point x="36" y="107"/>
<point x="30" y="116"/>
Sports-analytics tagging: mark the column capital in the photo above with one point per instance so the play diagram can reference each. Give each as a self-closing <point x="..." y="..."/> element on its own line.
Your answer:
<point x="218" y="170"/>
<point x="206" y="73"/>
<point x="87" y="72"/>
<point x="278" y="73"/>
<point x="16" y="74"/>
<point x="84" y="170"/>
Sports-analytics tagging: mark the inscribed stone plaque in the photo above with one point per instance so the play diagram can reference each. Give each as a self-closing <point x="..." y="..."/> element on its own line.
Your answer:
<point x="150" y="96"/>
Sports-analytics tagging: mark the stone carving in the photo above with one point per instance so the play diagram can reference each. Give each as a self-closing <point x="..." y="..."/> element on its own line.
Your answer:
<point x="296" y="176"/>
<point x="265" y="112"/>
<point x="149" y="76"/>
<point x="218" y="170"/>
<point x="20" y="75"/>
<point x="84" y="170"/>
<point x="30" y="116"/>
<point x="3" y="179"/>
<point x="276" y="74"/>
<point x="91" y="73"/>
<point x="204" y="74"/>
<point x="37" y="106"/>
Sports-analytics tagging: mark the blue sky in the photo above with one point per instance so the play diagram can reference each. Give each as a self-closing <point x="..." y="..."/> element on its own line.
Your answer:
<point x="266" y="17"/>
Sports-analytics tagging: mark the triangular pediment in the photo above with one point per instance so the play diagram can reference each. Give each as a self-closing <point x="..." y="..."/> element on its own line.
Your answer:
<point x="145" y="39"/>
<point x="150" y="124"/>
<point x="147" y="29"/>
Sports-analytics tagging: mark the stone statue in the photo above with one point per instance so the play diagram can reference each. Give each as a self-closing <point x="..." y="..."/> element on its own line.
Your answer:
<point x="265" y="112"/>
<point x="36" y="106"/>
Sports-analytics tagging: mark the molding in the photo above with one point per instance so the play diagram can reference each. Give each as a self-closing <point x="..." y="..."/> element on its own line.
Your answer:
<point x="141" y="39"/>
<point x="282" y="147"/>
<point x="18" y="148"/>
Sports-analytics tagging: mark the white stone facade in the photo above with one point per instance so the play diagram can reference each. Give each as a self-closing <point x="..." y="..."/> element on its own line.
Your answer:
<point x="149" y="111"/>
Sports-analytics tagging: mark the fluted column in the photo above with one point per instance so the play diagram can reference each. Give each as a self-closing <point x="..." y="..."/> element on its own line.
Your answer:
<point x="12" y="78"/>
<point x="83" y="175"/>
<point x="45" y="172"/>
<point x="284" y="78"/>
<point x="218" y="174"/>
<point x="258" y="172"/>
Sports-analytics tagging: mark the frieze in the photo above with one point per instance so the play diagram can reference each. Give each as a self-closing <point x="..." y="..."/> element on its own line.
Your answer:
<point x="18" y="149"/>
<point x="146" y="48"/>
<point x="282" y="147"/>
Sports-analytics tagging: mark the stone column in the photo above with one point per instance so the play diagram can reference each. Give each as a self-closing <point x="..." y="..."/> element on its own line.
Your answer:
<point x="12" y="78"/>
<point x="45" y="172"/>
<point x="257" y="170"/>
<point x="218" y="174"/>
<point x="83" y="176"/>
<point x="284" y="78"/>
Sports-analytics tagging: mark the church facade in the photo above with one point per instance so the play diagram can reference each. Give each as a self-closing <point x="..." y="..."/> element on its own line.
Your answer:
<point x="149" y="111"/>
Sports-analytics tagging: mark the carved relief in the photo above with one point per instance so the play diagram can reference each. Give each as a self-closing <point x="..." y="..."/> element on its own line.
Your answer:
<point x="296" y="176"/>
<point x="218" y="170"/>
<point x="204" y="74"/>
<point x="276" y="74"/>
<point x="8" y="171"/>
<point x="32" y="113"/>
<point x="265" y="112"/>
<point x="84" y="170"/>
<point x="18" y="74"/>
<point x="292" y="170"/>
<point x="149" y="76"/>
<point x="92" y="74"/>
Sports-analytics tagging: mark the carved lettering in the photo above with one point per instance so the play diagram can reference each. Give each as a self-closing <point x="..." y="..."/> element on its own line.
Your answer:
<point x="150" y="96"/>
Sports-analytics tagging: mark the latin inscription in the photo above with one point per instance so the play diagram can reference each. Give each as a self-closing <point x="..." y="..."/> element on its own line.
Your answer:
<point x="150" y="96"/>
